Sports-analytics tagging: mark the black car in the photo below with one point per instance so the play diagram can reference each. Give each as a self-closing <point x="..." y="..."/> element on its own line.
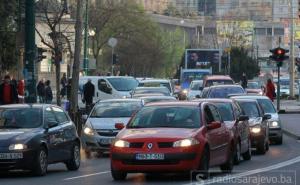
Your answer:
<point x="222" y="91"/>
<point x="33" y="136"/>
<point x="258" y="122"/>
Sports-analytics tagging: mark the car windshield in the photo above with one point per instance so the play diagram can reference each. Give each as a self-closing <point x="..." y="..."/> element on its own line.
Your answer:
<point x="223" y="92"/>
<point x="218" y="82"/>
<point x="196" y="86"/>
<point x="166" y="116"/>
<point x="115" y="109"/>
<point x="250" y="109"/>
<point x="163" y="91"/>
<point x="156" y="84"/>
<point x="20" y="118"/>
<point x="123" y="84"/>
<point x="226" y="111"/>
<point x="266" y="105"/>
<point x="253" y="85"/>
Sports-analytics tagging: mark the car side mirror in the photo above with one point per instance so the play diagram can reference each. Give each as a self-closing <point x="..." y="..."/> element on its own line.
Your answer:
<point x="119" y="126"/>
<point x="213" y="125"/>
<point x="267" y="116"/>
<point x="243" y="118"/>
<point x="52" y="124"/>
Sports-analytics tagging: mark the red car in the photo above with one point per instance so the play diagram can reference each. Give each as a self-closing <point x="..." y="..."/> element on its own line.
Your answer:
<point x="173" y="137"/>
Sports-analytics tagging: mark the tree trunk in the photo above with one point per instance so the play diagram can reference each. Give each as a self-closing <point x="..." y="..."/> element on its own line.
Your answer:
<point x="57" y="82"/>
<point x="76" y="65"/>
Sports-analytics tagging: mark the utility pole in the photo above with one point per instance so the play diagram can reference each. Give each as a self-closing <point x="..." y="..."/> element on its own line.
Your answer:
<point x="292" y="58"/>
<point x="85" y="56"/>
<point x="30" y="48"/>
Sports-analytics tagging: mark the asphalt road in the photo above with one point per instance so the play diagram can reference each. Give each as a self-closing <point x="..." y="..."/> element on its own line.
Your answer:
<point x="280" y="165"/>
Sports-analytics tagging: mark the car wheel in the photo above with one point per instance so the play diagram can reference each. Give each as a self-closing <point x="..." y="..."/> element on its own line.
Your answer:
<point x="204" y="164"/>
<point x="41" y="163"/>
<point x="248" y="154"/>
<point x="261" y="148"/>
<point x="237" y="155"/>
<point x="74" y="163"/>
<point x="228" y="166"/>
<point x="118" y="175"/>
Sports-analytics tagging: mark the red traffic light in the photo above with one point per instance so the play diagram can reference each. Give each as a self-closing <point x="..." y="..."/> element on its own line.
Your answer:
<point x="279" y="52"/>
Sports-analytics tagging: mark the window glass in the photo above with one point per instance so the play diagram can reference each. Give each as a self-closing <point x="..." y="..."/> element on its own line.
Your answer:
<point x="266" y="105"/>
<point x="49" y="115"/>
<point x="60" y="115"/>
<point x="115" y="109"/>
<point x="123" y="84"/>
<point x="215" y="113"/>
<point x="250" y="109"/>
<point x="223" y="92"/>
<point x="226" y="111"/>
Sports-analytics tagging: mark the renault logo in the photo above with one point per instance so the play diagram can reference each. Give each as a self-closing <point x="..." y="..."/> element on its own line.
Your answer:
<point x="149" y="146"/>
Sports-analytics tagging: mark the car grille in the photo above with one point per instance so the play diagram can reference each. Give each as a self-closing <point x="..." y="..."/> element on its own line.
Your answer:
<point x="136" y="145"/>
<point x="165" y="144"/>
<point x="150" y="162"/>
<point x="107" y="133"/>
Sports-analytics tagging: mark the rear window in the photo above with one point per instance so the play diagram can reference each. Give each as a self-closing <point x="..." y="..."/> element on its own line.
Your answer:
<point x="218" y="82"/>
<point x="196" y="86"/>
<point x="163" y="91"/>
<point x="156" y="84"/>
<point x="223" y="92"/>
<point x="226" y="111"/>
<point x="250" y="109"/>
<point x="266" y="105"/>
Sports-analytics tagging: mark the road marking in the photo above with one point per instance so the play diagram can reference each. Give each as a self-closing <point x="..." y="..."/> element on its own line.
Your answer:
<point x="251" y="172"/>
<point x="88" y="175"/>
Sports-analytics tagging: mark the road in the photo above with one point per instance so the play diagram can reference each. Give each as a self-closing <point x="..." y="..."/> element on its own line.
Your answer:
<point x="279" y="166"/>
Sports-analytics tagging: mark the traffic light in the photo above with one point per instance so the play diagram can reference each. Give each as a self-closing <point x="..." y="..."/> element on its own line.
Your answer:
<point x="279" y="55"/>
<point x="115" y="59"/>
<point x="39" y="54"/>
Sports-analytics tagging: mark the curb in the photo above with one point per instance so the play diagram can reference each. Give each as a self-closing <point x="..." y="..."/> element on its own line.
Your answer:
<point x="289" y="112"/>
<point x="289" y="133"/>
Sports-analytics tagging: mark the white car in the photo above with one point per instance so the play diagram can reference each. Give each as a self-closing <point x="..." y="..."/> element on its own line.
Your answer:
<point x="194" y="89"/>
<point x="157" y="83"/>
<point x="100" y="129"/>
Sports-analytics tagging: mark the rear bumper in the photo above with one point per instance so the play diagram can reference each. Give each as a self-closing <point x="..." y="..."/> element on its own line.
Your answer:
<point x="26" y="162"/>
<point x="94" y="143"/>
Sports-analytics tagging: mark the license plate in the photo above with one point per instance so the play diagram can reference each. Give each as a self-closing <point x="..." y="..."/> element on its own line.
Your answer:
<point x="150" y="156"/>
<point x="106" y="141"/>
<point x="11" y="155"/>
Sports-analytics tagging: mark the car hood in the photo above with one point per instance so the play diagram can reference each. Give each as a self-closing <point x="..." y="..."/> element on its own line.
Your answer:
<point x="254" y="121"/>
<point x="11" y="136"/>
<point x="107" y="123"/>
<point x="157" y="133"/>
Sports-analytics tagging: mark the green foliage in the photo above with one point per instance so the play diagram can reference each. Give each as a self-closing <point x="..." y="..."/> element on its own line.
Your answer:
<point x="8" y="27"/>
<point x="241" y="63"/>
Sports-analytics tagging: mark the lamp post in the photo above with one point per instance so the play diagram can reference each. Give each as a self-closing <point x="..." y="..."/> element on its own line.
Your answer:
<point x="85" y="57"/>
<point x="182" y="23"/>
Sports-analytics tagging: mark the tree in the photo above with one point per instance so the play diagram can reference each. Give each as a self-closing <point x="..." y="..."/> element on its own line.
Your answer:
<point x="8" y="28"/>
<point x="241" y="63"/>
<point x="53" y="12"/>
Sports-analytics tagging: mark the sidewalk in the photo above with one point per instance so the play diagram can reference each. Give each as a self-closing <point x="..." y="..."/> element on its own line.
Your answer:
<point x="290" y="125"/>
<point x="288" y="106"/>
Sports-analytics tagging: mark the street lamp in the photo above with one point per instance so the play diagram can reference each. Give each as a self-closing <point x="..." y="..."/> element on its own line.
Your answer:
<point x="182" y="22"/>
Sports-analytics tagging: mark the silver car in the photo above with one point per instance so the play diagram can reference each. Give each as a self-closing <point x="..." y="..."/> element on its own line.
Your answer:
<point x="100" y="129"/>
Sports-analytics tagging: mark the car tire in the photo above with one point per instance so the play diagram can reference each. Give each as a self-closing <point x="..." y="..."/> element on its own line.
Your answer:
<point x="248" y="154"/>
<point x="228" y="166"/>
<point x="74" y="163"/>
<point x="204" y="164"/>
<point x="261" y="147"/>
<point x="237" y="154"/>
<point x="118" y="175"/>
<point x="41" y="162"/>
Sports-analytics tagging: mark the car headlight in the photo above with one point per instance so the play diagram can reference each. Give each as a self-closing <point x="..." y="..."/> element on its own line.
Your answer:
<point x="186" y="142"/>
<point x="17" y="147"/>
<point x="121" y="144"/>
<point x="255" y="129"/>
<point x="274" y="124"/>
<point x="185" y="91"/>
<point x="260" y="93"/>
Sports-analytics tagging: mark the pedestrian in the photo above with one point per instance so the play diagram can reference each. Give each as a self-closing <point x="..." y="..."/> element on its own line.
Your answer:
<point x="48" y="93"/>
<point x="41" y="90"/>
<point x="68" y="87"/>
<point x="270" y="90"/>
<point x="21" y="91"/>
<point x="63" y="82"/>
<point x="88" y="94"/>
<point x="8" y="92"/>
<point x="244" y="81"/>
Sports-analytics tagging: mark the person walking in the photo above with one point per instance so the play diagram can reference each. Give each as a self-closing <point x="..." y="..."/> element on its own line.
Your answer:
<point x="244" y="81"/>
<point x="48" y="93"/>
<point x="270" y="90"/>
<point x="8" y="92"/>
<point x="21" y="91"/>
<point x="41" y="90"/>
<point x="63" y="82"/>
<point x="88" y="94"/>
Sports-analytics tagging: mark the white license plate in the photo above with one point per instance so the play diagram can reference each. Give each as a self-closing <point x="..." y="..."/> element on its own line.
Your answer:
<point x="11" y="155"/>
<point x="106" y="141"/>
<point x="150" y="156"/>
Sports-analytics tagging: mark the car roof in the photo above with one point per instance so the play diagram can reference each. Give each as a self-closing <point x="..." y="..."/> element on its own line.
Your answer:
<point x="154" y="80"/>
<point x="216" y="100"/>
<point x="151" y="88"/>
<point x="250" y="96"/>
<point x="175" y="103"/>
<point x="21" y="106"/>
<point x="120" y="100"/>
<point x="197" y="81"/>
<point x="246" y="100"/>
<point x="107" y="77"/>
<point x="216" y="77"/>
<point x="157" y="97"/>
<point x="225" y="85"/>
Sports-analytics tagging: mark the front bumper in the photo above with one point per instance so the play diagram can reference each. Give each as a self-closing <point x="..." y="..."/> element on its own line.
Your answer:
<point x="174" y="161"/>
<point x="26" y="162"/>
<point x="275" y="133"/>
<point x="257" y="138"/>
